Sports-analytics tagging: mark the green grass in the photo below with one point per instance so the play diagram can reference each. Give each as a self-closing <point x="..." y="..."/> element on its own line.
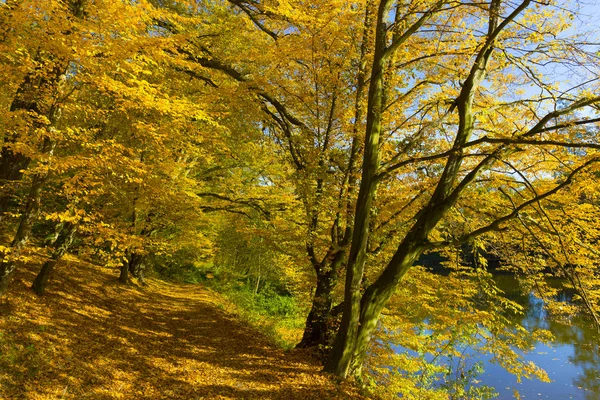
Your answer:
<point x="18" y="360"/>
<point x="277" y="315"/>
<point x="271" y="310"/>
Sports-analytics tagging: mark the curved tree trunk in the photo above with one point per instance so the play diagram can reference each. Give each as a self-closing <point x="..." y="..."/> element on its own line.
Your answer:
<point x="61" y="245"/>
<point x="374" y="300"/>
<point x="343" y="347"/>
<point x="340" y="356"/>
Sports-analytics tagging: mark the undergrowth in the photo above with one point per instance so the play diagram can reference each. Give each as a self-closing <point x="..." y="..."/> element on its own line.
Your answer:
<point x="270" y="309"/>
<point x="278" y="316"/>
<point x="19" y="361"/>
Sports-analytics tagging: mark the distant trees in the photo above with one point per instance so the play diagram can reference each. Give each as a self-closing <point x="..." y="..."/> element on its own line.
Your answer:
<point x="101" y="136"/>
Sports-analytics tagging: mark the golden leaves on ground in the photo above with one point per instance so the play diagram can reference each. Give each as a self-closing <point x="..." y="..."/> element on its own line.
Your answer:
<point x="91" y="338"/>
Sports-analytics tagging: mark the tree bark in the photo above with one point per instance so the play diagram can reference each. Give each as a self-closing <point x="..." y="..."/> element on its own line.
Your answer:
<point x="11" y="165"/>
<point x="136" y="266"/>
<point x="61" y="246"/>
<point x="124" y="275"/>
<point x="140" y="275"/>
<point x="319" y="328"/>
<point x="341" y="354"/>
<point x="9" y="262"/>
<point x="132" y="266"/>
<point x="376" y="297"/>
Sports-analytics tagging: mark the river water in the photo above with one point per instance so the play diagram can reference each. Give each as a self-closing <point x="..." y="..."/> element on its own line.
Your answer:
<point x="572" y="361"/>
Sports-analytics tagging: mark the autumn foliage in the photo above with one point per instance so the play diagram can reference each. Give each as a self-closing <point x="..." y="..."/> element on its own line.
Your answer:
<point x="315" y="151"/>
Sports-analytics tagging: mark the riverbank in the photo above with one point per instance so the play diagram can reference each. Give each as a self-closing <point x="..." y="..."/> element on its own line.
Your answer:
<point x="92" y="338"/>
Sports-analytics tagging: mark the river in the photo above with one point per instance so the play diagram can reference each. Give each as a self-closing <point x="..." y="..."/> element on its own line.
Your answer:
<point x="572" y="360"/>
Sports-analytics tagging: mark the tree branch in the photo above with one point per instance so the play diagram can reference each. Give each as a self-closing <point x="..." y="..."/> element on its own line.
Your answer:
<point x="496" y="225"/>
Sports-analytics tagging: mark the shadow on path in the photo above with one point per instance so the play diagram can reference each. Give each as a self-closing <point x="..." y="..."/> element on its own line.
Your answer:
<point x="91" y="338"/>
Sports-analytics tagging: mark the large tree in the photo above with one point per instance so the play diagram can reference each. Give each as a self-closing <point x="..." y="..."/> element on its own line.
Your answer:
<point x="459" y="69"/>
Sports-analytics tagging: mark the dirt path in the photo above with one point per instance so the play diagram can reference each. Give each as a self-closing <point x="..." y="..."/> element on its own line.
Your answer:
<point x="91" y="338"/>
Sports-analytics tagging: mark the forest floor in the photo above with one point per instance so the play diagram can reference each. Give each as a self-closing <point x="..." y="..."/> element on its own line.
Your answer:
<point x="90" y="337"/>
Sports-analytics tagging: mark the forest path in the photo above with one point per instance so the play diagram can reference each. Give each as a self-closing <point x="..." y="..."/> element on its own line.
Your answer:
<point x="92" y="338"/>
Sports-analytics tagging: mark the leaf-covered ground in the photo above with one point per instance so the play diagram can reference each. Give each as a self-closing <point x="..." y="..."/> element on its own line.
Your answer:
<point x="91" y="338"/>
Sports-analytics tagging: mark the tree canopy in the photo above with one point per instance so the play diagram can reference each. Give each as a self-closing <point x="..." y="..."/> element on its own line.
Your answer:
<point x="323" y="147"/>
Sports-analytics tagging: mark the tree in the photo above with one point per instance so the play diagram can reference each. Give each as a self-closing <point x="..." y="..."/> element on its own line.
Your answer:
<point x="35" y="110"/>
<point x="480" y="143"/>
<point x="149" y="135"/>
<point x="307" y="117"/>
<point x="100" y="160"/>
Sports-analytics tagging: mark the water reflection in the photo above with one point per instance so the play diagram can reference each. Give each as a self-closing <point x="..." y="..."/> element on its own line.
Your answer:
<point x="572" y="360"/>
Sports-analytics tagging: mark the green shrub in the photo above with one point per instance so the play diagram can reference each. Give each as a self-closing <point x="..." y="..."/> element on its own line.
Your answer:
<point x="274" y="311"/>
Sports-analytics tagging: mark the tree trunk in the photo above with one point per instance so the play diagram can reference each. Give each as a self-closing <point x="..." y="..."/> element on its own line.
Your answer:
<point x="340" y="356"/>
<point x="11" y="165"/>
<point x="140" y="275"/>
<point x="343" y="347"/>
<point x="320" y="324"/>
<point x="318" y="330"/>
<point x="132" y="266"/>
<point x="124" y="275"/>
<point x="30" y="97"/>
<point x="9" y="262"/>
<point x="257" y="278"/>
<point x="376" y="297"/>
<point x="39" y="284"/>
<point x="61" y="245"/>
<point x="135" y="260"/>
<point x="136" y="266"/>
<point x="6" y="271"/>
